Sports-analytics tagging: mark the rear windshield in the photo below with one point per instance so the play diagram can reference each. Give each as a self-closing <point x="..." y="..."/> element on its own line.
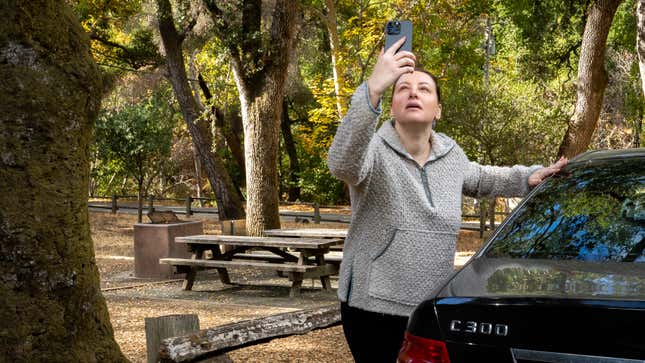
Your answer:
<point x="593" y="213"/>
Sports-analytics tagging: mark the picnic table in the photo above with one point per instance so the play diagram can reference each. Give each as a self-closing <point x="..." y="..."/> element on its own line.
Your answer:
<point x="299" y="258"/>
<point x="311" y="233"/>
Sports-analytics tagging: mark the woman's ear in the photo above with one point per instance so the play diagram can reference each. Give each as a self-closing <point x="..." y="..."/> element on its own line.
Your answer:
<point x="438" y="115"/>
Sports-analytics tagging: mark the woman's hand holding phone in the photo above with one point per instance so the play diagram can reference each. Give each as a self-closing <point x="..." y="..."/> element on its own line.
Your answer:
<point x="389" y="66"/>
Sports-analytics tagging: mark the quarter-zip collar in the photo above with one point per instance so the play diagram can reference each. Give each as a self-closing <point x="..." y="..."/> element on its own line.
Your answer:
<point x="441" y="143"/>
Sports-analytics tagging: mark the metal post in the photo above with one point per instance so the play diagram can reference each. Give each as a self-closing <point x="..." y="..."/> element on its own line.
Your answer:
<point x="189" y="202"/>
<point x="114" y="204"/>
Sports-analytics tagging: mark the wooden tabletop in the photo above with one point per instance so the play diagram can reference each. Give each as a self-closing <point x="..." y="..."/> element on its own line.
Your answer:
<point x="308" y="232"/>
<point x="305" y="243"/>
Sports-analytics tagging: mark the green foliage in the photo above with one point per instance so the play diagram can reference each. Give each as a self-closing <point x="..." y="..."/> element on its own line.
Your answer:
<point x="121" y="38"/>
<point x="316" y="183"/>
<point x="213" y="63"/>
<point x="622" y="34"/>
<point x="547" y="33"/>
<point x="133" y="141"/>
<point x="519" y="117"/>
<point x="511" y="122"/>
<point x="100" y="14"/>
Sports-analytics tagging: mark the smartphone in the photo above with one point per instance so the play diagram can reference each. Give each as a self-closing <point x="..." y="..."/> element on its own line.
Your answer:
<point x="395" y="30"/>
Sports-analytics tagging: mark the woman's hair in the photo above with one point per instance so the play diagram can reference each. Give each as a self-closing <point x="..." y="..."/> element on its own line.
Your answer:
<point x="422" y="70"/>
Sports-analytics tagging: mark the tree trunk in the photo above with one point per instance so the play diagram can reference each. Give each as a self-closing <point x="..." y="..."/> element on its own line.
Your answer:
<point x="261" y="137"/>
<point x="232" y="139"/>
<point x="294" y="166"/>
<point x="592" y="78"/>
<point x="51" y="305"/>
<point x="638" y="127"/>
<point x="640" y="49"/>
<point x="196" y="82"/>
<point x="198" y="176"/>
<point x="260" y="68"/>
<point x="123" y="185"/>
<point x="229" y="204"/>
<point x="334" y="42"/>
<point x="140" y="199"/>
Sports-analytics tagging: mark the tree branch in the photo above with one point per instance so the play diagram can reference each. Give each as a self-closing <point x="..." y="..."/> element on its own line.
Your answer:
<point x="105" y="41"/>
<point x="189" y="27"/>
<point x="224" y="30"/>
<point x="222" y="24"/>
<point x="127" y="58"/>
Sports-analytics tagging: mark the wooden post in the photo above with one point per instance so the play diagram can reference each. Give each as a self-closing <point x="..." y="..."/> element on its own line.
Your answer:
<point x="189" y="202"/>
<point x="482" y="217"/>
<point x="491" y="211"/>
<point x="160" y="328"/>
<point x="316" y="213"/>
<point x="114" y="205"/>
<point x="151" y="207"/>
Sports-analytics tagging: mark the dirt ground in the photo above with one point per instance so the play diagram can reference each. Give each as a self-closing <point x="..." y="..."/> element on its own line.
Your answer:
<point x="253" y="294"/>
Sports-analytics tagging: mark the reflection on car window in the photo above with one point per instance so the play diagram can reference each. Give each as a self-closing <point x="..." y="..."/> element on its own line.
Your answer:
<point x="595" y="214"/>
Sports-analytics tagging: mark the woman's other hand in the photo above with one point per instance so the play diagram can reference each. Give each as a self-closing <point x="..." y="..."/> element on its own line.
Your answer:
<point x="388" y="68"/>
<point x="539" y="175"/>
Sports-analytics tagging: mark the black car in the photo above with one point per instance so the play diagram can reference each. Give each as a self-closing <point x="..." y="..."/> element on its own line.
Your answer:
<point x="561" y="280"/>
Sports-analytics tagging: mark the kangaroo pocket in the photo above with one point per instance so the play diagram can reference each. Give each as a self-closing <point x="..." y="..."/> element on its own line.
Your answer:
<point x="413" y="264"/>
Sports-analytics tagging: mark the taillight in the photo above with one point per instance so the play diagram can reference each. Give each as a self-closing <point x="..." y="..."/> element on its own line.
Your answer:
<point x="421" y="350"/>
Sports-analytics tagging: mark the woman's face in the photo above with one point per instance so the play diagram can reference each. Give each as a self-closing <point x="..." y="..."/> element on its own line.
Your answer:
<point x="415" y="99"/>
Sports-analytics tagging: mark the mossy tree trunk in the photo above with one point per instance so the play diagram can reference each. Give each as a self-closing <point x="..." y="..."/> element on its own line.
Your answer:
<point x="51" y="307"/>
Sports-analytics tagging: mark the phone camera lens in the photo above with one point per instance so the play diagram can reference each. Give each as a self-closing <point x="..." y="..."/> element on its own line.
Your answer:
<point x="393" y="27"/>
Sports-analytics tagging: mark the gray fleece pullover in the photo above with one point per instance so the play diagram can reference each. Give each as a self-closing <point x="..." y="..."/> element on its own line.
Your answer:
<point x="402" y="237"/>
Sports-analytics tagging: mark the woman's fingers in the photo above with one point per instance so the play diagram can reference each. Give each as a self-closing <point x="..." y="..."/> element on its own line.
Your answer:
<point x="561" y="163"/>
<point x="555" y="167"/>
<point x="389" y="66"/>
<point x="539" y="175"/>
<point x="406" y="62"/>
<point x="398" y="63"/>
<point x="405" y="54"/>
<point x="405" y="65"/>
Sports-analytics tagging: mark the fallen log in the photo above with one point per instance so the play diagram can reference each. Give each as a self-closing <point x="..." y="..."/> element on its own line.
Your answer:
<point x="212" y="342"/>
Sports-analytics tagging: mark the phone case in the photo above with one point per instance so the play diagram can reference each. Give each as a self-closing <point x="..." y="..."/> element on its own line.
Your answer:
<point x="394" y="30"/>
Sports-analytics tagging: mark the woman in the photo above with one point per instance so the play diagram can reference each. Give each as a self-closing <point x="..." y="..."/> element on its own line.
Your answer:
<point x="405" y="184"/>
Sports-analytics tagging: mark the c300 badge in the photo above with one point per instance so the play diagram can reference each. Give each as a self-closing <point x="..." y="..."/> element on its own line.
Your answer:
<point x="474" y="327"/>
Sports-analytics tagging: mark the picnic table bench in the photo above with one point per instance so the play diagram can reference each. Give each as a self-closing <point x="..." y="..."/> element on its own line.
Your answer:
<point x="299" y="258"/>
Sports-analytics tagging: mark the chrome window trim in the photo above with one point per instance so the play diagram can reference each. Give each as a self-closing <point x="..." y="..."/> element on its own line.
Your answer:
<point x="554" y="357"/>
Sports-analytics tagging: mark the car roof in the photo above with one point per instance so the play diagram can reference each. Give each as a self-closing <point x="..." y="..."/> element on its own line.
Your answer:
<point x="608" y="154"/>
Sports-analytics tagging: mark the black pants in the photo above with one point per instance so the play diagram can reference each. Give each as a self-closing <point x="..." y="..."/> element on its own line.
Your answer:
<point x="372" y="337"/>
